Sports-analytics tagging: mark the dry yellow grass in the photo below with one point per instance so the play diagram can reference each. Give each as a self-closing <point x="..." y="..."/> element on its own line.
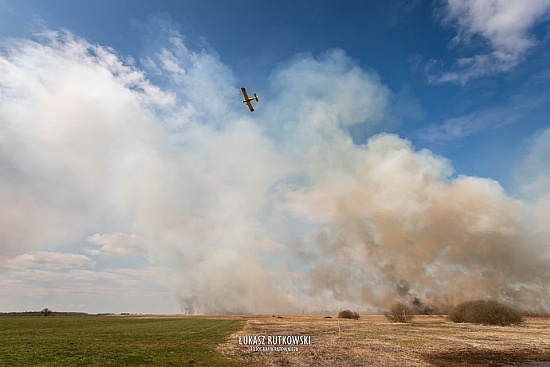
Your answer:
<point x="373" y="341"/>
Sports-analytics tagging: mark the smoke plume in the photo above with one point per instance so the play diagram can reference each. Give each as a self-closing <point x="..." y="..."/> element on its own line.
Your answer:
<point x="279" y="211"/>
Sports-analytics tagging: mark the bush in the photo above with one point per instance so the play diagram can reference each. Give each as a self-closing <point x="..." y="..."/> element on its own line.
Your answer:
<point x="399" y="313"/>
<point x="487" y="312"/>
<point x="348" y="314"/>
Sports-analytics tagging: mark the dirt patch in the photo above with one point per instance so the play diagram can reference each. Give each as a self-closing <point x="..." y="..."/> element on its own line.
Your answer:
<point x="486" y="357"/>
<point x="372" y="341"/>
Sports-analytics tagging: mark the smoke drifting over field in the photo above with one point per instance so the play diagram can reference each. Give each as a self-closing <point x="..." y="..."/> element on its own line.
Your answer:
<point x="276" y="211"/>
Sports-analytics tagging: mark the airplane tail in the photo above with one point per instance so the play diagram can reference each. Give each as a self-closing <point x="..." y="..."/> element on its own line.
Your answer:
<point x="256" y="97"/>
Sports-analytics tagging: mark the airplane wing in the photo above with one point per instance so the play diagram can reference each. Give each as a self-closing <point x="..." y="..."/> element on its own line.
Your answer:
<point x="250" y="106"/>
<point x="245" y="95"/>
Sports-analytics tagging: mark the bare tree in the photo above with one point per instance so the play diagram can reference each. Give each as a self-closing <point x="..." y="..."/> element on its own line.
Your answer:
<point x="399" y="313"/>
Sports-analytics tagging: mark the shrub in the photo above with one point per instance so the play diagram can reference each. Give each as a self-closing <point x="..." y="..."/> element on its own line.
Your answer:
<point x="348" y="314"/>
<point x="487" y="312"/>
<point x="399" y="313"/>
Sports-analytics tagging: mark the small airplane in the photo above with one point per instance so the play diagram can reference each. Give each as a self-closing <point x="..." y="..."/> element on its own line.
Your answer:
<point x="248" y="99"/>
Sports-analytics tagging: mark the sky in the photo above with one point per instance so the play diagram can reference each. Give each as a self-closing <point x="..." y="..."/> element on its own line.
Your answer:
<point x="399" y="151"/>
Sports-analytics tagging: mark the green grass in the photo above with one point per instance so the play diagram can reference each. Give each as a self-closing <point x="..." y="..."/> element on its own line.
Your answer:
<point x="114" y="341"/>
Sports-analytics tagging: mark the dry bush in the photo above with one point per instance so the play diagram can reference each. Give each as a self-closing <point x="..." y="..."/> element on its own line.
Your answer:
<point x="487" y="312"/>
<point x="399" y="313"/>
<point x="348" y="314"/>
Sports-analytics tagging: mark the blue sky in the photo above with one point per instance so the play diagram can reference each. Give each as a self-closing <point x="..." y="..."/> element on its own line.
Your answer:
<point x="132" y="167"/>
<point x="397" y="40"/>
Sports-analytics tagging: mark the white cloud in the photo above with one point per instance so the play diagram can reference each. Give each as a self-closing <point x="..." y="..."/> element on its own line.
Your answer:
<point x="204" y="86"/>
<point x="170" y="63"/>
<point x="33" y="280"/>
<point x="506" y="26"/>
<point x="49" y="261"/>
<point x="118" y="244"/>
<point x="333" y="88"/>
<point x="459" y="127"/>
<point x="93" y="291"/>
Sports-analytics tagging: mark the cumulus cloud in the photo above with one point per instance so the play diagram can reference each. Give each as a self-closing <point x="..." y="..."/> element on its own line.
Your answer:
<point x="279" y="211"/>
<point x="118" y="244"/>
<point x="50" y="261"/>
<point x="31" y="280"/>
<point x="504" y="26"/>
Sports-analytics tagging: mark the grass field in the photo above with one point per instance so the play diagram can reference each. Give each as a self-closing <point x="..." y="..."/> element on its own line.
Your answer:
<point x="114" y="341"/>
<point x="212" y="341"/>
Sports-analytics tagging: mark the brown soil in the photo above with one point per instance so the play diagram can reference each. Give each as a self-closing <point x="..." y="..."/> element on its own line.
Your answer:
<point x="373" y="341"/>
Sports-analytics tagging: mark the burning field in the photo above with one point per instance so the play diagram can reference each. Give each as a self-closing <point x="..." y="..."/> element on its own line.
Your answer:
<point x="373" y="341"/>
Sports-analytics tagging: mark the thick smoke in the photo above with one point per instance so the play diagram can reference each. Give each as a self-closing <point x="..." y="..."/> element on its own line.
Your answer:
<point x="280" y="211"/>
<point x="401" y="227"/>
